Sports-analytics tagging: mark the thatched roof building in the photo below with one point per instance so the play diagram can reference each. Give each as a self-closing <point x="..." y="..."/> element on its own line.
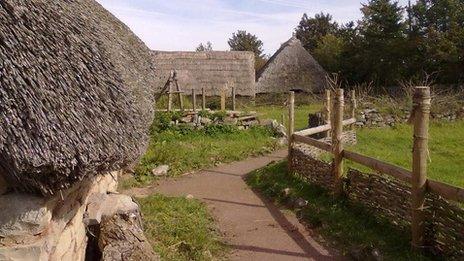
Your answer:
<point x="75" y="95"/>
<point x="213" y="70"/>
<point x="291" y="68"/>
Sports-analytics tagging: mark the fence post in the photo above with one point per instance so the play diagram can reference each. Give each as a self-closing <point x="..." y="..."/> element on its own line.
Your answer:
<point x="337" y="142"/>
<point x="223" y="100"/>
<point x="194" y="100"/>
<point x="233" y="99"/>
<point x="328" y="113"/>
<point x="291" y="126"/>
<point x="354" y="106"/>
<point x="203" y="99"/>
<point x="421" y="115"/>
<point x="169" y="99"/>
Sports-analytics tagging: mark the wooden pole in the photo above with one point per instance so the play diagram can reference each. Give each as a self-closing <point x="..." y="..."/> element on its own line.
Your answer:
<point x="223" y="100"/>
<point x="282" y="119"/>
<point x="194" y="100"/>
<point x="291" y="127"/>
<point x="354" y="106"/>
<point x="337" y="142"/>
<point x="421" y="111"/>
<point x="233" y="99"/>
<point x="169" y="99"/>
<point x="328" y="113"/>
<point x="203" y="98"/>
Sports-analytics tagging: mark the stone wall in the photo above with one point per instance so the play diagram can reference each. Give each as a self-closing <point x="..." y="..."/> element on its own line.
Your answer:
<point x="38" y="228"/>
<point x="372" y="117"/>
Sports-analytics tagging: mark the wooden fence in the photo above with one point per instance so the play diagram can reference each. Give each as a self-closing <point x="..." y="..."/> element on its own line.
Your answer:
<point x="180" y="96"/>
<point x="420" y="187"/>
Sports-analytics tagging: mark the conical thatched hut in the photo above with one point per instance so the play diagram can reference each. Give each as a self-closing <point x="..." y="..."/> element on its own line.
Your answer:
<point x="75" y="95"/>
<point x="291" y="68"/>
<point x="215" y="71"/>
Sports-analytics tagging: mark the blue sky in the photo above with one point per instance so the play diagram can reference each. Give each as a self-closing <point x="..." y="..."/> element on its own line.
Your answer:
<point x="183" y="24"/>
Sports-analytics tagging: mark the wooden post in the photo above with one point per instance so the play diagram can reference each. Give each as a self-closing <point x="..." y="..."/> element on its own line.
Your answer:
<point x="282" y="119"/>
<point x="328" y="113"/>
<point x="194" y="100"/>
<point x="203" y="99"/>
<point x="354" y="106"/>
<point x="223" y="100"/>
<point x="169" y="99"/>
<point x="233" y="98"/>
<point x="291" y="127"/>
<point x="337" y="142"/>
<point x="421" y="114"/>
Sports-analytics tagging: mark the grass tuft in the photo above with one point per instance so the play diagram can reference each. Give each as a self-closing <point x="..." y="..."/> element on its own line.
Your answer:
<point x="181" y="229"/>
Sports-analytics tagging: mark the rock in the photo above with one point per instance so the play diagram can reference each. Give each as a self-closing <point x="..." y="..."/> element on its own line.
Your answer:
<point x="160" y="171"/>
<point x="300" y="203"/>
<point x="3" y="186"/>
<point x="286" y="192"/>
<point x="23" y="215"/>
<point x="186" y="119"/>
<point x="189" y="197"/>
<point x="282" y="141"/>
<point x="122" y="238"/>
<point x="206" y="121"/>
<point x="107" y="205"/>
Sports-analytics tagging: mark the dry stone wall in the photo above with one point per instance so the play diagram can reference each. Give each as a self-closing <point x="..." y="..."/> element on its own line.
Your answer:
<point x="38" y="228"/>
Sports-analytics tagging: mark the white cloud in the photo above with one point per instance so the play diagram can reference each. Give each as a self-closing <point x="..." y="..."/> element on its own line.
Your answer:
<point x="183" y="24"/>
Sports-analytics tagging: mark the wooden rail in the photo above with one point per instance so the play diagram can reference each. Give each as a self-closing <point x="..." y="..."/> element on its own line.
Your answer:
<point x="313" y="142"/>
<point x="323" y="128"/>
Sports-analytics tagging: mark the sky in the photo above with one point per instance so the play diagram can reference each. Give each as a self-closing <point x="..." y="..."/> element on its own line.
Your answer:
<point x="181" y="25"/>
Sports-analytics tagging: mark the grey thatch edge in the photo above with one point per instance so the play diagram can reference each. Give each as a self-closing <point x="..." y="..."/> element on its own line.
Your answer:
<point x="76" y="93"/>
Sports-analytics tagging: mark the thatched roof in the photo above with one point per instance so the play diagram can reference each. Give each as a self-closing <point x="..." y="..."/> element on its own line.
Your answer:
<point x="75" y="95"/>
<point x="291" y="67"/>
<point x="212" y="70"/>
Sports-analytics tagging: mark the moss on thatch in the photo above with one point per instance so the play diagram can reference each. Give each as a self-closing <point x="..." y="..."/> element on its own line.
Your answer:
<point x="291" y="68"/>
<point x="215" y="71"/>
<point x="75" y="96"/>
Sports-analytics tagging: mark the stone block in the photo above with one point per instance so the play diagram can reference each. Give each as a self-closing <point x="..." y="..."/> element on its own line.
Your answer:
<point x="23" y="215"/>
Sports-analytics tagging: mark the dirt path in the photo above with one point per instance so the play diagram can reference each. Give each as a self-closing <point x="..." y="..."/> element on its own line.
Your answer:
<point x="254" y="228"/>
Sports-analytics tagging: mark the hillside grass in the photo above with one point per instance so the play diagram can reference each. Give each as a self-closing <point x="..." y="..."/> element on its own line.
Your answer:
<point x="394" y="145"/>
<point x="181" y="229"/>
<point x="345" y="225"/>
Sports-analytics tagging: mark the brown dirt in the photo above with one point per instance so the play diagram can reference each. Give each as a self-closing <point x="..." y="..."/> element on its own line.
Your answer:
<point x="253" y="227"/>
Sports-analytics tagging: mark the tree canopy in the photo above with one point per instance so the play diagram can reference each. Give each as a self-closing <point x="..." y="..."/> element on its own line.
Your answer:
<point x="208" y="47"/>
<point x="390" y="42"/>
<point x="244" y="41"/>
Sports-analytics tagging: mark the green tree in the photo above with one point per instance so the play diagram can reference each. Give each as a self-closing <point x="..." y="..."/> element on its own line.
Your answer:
<point x="328" y="52"/>
<point x="437" y="38"/>
<point x="243" y="41"/>
<point x="382" y="29"/>
<point x="311" y="29"/>
<point x="208" y="47"/>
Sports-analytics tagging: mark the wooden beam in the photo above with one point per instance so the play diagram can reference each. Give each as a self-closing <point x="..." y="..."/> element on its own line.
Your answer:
<point x="446" y="191"/>
<point x="233" y="99"/>
<point x="328" y="113"/>
<point x="323" y="128"/>
<point x="313" y="142"/>
<point x="194" y="100"/>
<point x="380" y="166"/>
<point x="203" y="99"/>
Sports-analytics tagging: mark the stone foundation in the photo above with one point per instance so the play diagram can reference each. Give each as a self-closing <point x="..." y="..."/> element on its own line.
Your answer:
<point x="37" y="228"/>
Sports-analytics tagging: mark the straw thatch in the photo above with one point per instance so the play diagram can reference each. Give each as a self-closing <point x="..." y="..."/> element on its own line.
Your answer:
<point x="291" y="68"/>
<point x="75" y="95"/>
<point x="215" y="71"/>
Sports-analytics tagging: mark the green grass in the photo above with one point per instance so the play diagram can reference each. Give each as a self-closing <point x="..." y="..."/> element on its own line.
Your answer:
<point x="185" y="149"/>
<point x="346" y="225"/>
<point x="394" y="145"/>
<point x="181" y="229"/>
<point x="301" y="113"/>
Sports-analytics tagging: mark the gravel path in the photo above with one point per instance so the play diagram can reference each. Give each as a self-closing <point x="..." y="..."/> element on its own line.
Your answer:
<point x="254" y="227"/>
